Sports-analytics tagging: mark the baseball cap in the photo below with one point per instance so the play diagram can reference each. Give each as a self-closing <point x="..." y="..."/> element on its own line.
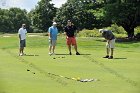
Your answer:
<point x="69" y="21"/>
<point x="101" y="30"/>
<point x="54" y="23"/>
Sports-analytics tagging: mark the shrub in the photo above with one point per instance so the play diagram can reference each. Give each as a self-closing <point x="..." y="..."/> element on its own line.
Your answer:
<point x="137" y="30"/>
<point x="120" y="35"/>
<point x="89" y="33"/>
<point x="36" y="30"/>
<point x="116" y="29"/>
<point x="95" y="33"/>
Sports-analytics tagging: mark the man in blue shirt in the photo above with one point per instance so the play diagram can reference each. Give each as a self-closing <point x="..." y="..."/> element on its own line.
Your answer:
<point x="52" y="32"/>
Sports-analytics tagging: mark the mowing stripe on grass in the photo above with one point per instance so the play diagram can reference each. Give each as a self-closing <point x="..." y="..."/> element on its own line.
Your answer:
<point x="133" y="83"/>
<point x="48" y="74"/>
<point x="35" y="67"/>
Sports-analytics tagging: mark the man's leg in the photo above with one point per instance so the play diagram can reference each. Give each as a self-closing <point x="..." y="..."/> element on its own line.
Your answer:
<point x="69" y="47"/>
<point x="53" y="48"/>
<point x="21" y="51"/>
<point x="107" y="51"/>
<point x="111" y="56"/>
<point x="68" y="41"/>
<point x="112" y="51"/>
<point x="112" y="45"/>
<point x="50" y="49"/>
<point x="21" y="48"/>
<point x="23" y="45"/>
<point x="75" y="47"/>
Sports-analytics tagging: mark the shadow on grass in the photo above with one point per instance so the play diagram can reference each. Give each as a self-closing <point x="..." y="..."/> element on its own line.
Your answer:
<point x="61" y="54"/>
<point x="73" y="54"/>
<point x="85" y="54"/>
<point x="119" y="58"/>
<point x="30" y="55"/>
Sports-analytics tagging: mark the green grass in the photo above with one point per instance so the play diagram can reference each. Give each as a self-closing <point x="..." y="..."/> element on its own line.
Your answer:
<point x="120" y="75"/>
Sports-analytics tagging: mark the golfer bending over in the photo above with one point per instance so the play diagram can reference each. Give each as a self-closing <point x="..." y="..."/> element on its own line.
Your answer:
<point x="110" y="44"/>
<point x="52" y="32"/>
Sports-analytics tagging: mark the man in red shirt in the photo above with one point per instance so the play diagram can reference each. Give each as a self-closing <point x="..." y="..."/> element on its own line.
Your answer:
<point x="70" y="33"/>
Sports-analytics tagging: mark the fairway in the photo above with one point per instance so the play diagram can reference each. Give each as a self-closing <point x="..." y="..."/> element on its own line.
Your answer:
<point x="37" y="72"/>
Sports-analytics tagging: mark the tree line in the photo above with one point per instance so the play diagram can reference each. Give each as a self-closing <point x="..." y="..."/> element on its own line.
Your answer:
<point x="85" y="14"/>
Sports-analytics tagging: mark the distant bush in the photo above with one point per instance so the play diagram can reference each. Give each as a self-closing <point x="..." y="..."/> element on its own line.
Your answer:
<point x="120" y="35"/>
<point x="36" y="30"/>
<point x="1" y="33"/>
<point x="137" y="30"/>
<point x="45" y="34"/>
<point x="116" y="29"/>
<point x="89" y="33"/>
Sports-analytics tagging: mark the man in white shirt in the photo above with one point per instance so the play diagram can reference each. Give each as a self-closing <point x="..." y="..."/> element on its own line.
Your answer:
<point x="22" y="37"/>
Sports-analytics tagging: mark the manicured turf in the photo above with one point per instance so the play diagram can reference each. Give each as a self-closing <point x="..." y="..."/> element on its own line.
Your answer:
<point x="37" y="72"/>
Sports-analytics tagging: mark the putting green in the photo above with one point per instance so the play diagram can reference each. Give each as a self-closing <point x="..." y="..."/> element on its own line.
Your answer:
<point x="37" y="72"/>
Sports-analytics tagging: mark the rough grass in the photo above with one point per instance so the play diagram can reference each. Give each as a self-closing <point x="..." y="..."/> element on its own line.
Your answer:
<point x="120" y="75"/>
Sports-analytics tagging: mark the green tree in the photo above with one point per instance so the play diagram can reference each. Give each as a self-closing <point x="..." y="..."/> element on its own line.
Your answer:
<point x="86" y="14"/>
<point x="12" y="19"/>
<point x="43" y="15"/>
<point x="5" y="21"/>
<point x="125" y="13"/>
<point x="79" y="12"/>
<point x="17" y="18"/>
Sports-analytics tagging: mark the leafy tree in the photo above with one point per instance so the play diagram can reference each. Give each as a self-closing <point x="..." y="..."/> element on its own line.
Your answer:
<point x="17" y="18"/>
<point x="79" y="11"/>
<point x="86" y="14"/>
<point x="125" y="13"/>
<point x="12" y="19"/>
<point x="43" y="15"/>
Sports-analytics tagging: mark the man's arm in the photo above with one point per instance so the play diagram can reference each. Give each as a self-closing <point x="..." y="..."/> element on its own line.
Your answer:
<point x="49" y="33"/>
<point x="76" y="31"/>
<point x="65" y="33"/>
<point x="19" y="36"/>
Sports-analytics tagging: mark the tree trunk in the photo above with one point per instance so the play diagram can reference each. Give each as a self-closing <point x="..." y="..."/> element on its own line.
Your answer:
<point x="130" y="32"/>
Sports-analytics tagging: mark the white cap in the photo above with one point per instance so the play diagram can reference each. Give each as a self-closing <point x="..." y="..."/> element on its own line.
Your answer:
<point x="54" y="23"/>
<point x="101" y="30"/>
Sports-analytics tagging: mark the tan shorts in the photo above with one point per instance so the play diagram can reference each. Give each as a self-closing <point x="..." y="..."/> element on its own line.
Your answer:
<point x="111" y="44"/>
<point x="52" y="42"/>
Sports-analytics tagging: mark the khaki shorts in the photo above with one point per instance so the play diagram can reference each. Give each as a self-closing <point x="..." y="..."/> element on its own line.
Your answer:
<point x="111" y="44"/>
<point x="52" y="42"/>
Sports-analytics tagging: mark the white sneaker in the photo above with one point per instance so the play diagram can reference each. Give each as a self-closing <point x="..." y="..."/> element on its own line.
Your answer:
<point x="50" y="53"/>
<point x="20" y="54"/>
<point x="53" y="53"/>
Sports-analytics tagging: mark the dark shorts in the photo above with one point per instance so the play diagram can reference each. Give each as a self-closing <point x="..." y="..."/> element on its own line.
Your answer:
<point x="71" y="41"/>
<point x="22" y="43"/>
